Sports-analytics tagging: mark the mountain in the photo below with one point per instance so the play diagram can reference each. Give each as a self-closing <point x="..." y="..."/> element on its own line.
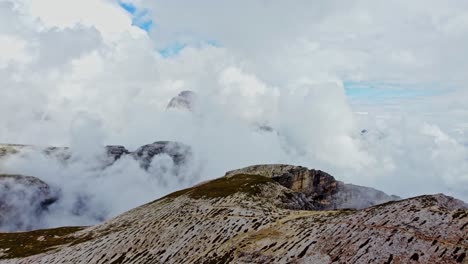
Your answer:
<point x="256" y="215"/>
<point x="318" y="190"/>
<point x="23" y="198"/>
<point x="184" y="100"/>
<point x="178" y="152"/>
<point x="27" y="202"/>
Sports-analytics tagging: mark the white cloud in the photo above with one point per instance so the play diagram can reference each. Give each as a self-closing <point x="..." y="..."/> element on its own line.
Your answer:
<point x="105" y="16"/>
<point x="13" y="50"/>
<point x="78" y="73"/>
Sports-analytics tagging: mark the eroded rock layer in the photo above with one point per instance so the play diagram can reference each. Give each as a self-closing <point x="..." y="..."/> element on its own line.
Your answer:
<point x="244" y="218"/>
<point x="318" y="190"/>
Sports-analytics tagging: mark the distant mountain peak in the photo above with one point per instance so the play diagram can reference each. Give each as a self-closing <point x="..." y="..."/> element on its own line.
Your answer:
<point x="184" y="100"/>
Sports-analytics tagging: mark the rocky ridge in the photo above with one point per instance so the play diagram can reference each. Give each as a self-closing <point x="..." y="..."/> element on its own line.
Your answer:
<point x="177" y="151"/>
<point x="246" y="217"/>
<point x="25" y="200"/>
<point x="318" y="190"/>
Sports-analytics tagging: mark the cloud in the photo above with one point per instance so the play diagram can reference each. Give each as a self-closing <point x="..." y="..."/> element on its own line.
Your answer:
<point x="84" y="74"/>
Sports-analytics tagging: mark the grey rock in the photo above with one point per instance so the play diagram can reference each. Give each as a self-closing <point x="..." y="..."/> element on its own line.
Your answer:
<point x="23" y="200"/>
<point x="177" y="151"/>
<point x="184" y="100"/>
<point x="215" y="223"/>
<point x="321" y="190"/>
<point x="116" y="151"/>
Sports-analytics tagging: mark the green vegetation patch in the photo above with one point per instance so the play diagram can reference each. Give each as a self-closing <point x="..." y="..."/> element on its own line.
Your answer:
<point x="24" y="244"/>
<point x="224" y="187"/>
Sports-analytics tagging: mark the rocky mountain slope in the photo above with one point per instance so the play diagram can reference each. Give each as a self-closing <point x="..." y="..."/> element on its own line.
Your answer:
<point x="256" y="215"/>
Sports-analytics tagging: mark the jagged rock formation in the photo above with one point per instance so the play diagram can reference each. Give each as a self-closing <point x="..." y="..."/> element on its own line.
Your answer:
<point x="244" y="218"/>
<point x="184" y="100"/>
<point x="116" y="151"/>
<point x="318" y="190"/>
<point x="22" y="201"/>
<point x="178" y="152"/>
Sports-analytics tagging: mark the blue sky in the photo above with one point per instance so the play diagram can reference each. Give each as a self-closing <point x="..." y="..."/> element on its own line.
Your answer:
<point x="140" y="19"/>
<point x="139" y="16"/>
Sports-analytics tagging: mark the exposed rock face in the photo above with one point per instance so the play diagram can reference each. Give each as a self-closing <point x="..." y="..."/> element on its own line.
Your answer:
<point x="22" y="201"/>
<point x="116" y="151"/>
<point x="178" y="152"/>
<point x="318" y="190"/>
<point x="184" y="100"/>
<point x="242" y="218"/>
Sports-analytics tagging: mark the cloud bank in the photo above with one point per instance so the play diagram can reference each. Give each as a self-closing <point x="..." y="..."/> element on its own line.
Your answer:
<point x="85" y="75"/>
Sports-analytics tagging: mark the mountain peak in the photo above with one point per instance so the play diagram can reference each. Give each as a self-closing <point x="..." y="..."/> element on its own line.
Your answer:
<point x="184" y="100"/>
<point x="318" y="189"/>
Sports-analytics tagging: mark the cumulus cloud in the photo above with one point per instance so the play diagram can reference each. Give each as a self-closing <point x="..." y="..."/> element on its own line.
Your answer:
<point x="80" y="74"/>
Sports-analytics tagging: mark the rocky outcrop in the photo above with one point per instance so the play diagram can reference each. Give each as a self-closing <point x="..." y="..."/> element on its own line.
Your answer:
<point x="242" y="218"/>
<point x="318" y="190"/>
<point x="116" y="151"/>
<point x="184" y="100"/>
<point x="23" y="199"/>
<point x="178" y="152"/>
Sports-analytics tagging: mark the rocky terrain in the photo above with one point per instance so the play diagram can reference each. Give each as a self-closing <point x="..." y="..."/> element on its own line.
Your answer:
<point x="178" y="152"/>
<point x="25" y="200"/>
<point x="261" y="214"/>
<point x="318" y="190"/>
<point x="184" y="100"/>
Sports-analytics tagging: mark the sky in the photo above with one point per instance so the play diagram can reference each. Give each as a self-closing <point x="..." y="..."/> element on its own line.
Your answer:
<point x="95" y="72"/>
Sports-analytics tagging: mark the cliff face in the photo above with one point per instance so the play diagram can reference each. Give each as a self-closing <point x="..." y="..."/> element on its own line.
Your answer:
<point x="28" y="203"/>
<point x="246" y="217"/>
<point x="318" y="190"/>
<point x="177" y="151"/>
<point x="185" y="100"/>
<point x="23" y="198"/>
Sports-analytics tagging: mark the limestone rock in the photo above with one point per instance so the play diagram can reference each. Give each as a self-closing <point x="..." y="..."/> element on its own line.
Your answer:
<point x="184" y="100"/>
<point x="116" y="152"/>
<point x="178" y="152"/>
<point x="241" y="218"/>
<point x="319" y="190"/>
<point x="23" y="199"/>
